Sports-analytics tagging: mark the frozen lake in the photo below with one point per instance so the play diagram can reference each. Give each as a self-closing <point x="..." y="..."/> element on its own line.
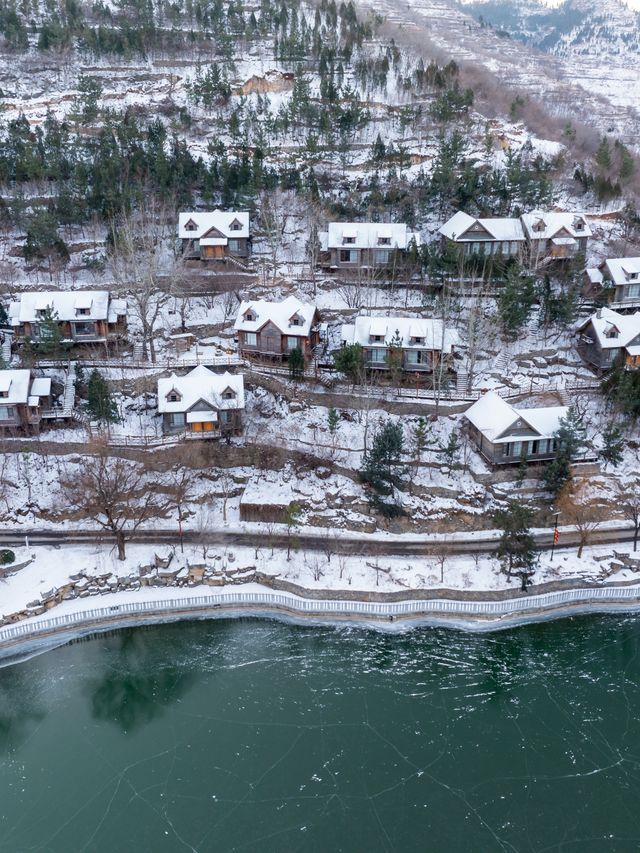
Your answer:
<point x="260" y="736"/>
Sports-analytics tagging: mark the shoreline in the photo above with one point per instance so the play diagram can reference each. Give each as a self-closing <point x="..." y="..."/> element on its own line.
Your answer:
<point x="28" y="638"/>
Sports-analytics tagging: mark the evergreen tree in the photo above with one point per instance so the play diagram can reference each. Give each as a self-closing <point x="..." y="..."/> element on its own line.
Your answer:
<point x="382" y="465"/>
<point x="420" y="438"/>
<point x="603" y="154"/>
<point x="378" y="150"/>
<point x="516" y="550"/>
<point x="296" y="364"/>
<point x="349" y="360"/>
<point x="568" y="440"/>
<point x="100" y="404"/>
<point x="515" y="302"/>
<point x="333" y="421"/>
<point x="49" y="336"/>
<point x="4" y="317"/>
<point x="394" y="357"/>
<point x="612" y="444"/>
<point x="451" y="450"/>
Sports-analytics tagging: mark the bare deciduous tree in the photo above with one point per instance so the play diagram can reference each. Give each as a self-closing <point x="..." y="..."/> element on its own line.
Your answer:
<point x="144" y="269"/>
<point x="116" y="493"/>
<point x="576" y="509"/>
<point x="629" y="503"/>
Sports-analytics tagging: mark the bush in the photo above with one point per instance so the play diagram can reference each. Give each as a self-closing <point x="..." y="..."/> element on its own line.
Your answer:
<point x="7" y="557"/>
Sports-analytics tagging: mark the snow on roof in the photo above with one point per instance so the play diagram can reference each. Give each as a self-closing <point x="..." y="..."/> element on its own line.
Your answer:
<point x="594" y="274"/>
<point x="563" y="241"/>
<point x="15" y="385"/>
<point x="495" y="418"/>
<point x="605" y="322"/>
<point x="500" y="228"/>
<point x="200" y="384"/>
<point x="219" y="219"/>
<point x="41" y="387"/>
<point x="62" y="303"/>
<point x="278" y="313"/>
<point x="551" y="222"/>
<point x="414" y="332"/>
<point x="117" y="308"/>
<point x="621" y="270"/>
<point x="367" y="235"/>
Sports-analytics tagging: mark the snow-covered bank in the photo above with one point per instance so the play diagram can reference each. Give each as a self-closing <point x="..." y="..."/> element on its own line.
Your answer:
<point x="251" y="600"/>
<point x="64" y="593"/>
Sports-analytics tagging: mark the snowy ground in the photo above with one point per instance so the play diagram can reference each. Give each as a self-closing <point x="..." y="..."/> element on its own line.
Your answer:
<point x="51" y="567"/>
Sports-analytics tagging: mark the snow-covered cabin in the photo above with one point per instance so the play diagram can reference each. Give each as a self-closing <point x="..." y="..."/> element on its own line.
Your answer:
<point x="506" y="435"/>
<point x="554" y="235"/>
<point x="354" y="245"/>
<point x="272" y="329"/>
<point x="608" y="337"/>
<point x="22" y="400"/>
<point x="495" y="236"/>
<point x="83" y="316"/>
<point x="411" y="343"/>
<point x="619" y="278"/>
<point x="215" y="235"/>
<point x="202" y="403"/>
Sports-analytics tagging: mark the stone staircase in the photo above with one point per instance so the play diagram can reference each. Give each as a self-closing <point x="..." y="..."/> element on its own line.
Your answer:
<point x="5" y="351"/>
<point x="462" y="382"/>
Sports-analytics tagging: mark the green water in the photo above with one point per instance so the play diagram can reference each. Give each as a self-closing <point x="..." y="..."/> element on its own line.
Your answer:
<point x="260" y="736"/>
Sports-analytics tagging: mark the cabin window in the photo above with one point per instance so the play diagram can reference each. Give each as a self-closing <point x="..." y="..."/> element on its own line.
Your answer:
<point x="83" y="312"/>
<point x="377" y="339"/>
<point x="378" y="356"/>
<point x="190" y="226"/>
<point x="226" y="417"/>
<point x="173" y="397"/>
<point x="348" y="256"/>
<point x="382" y="256"/>
<point x="4" y="394"/>
<point x="229" y="394"/>
<point x="84" y="328"/>
<point x="293" y="342"/>
<point x="633" y="291"/>
<point x="7" y="413"/>
<point x="348" y="241"/>
<point x="250" y="339"/>
<point x="384" y="241"/>
<point x="234" y="245"/>
<point x="177" y="419"/>
<point x="295" y="321"/>
<point x="417" y="357"/>
<point x="236" y="225"/>
<point x="417" y="340"/>
<point x="250" y="316"/>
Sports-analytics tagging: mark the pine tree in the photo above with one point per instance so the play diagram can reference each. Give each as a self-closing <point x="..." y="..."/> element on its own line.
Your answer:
<point x="394" y="357"/>
<point x="515" y="302"/>
<point x="296" y="364"/>
<point x="612" y="444"/>
<point x="349" y="360"/>
<point x="451" y="450"/>
<point x="382" y="466"/>
<point x="4" y="317"/>
<point x="568" y="440"/>
<point x="333" y="420"/>
<point x="603" y="154"/>
<point x="517" y="550"/>
<point x="100" y="404"/>
<point x="420" y="438"/>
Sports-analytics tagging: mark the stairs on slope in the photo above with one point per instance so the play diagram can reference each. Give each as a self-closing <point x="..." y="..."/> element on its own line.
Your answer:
<point x="462" y="382"/>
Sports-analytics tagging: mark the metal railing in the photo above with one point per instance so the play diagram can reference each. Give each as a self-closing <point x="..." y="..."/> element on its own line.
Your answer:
<point x="325" y="607"/>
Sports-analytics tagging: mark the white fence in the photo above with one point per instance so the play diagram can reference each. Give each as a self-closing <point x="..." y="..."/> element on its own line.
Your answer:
<point x="324" y="607"/>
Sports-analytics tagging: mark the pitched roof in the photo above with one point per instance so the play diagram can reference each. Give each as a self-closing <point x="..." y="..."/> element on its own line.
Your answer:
<point x="200" y="384"/>
<point x="368" y="234"/>
<point x="552" y="222"/>
<point x="19" y="387"/>
<point x="278" y="313"/>
<point x="219" y="219"/>
<point x="434" y="335"/>
<point x="64" y="303"/>
<point x="495" y="418"/>
<point x="500" y="228"/>
<point x="621" y="270"/>
<point x="604" y="321"/>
